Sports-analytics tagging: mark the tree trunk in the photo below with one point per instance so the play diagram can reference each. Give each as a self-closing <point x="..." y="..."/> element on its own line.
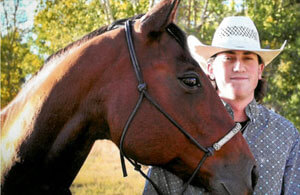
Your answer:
<point x="108" y="11"/>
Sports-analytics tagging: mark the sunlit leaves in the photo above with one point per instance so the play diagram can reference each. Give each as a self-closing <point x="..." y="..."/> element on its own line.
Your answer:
<point x="59" y="23"/>
<point x="17" y="63"/>
<point x="277" y="22"/>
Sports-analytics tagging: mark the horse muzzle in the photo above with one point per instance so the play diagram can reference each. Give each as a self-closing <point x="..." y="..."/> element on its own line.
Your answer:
<point x="243" y="184"/>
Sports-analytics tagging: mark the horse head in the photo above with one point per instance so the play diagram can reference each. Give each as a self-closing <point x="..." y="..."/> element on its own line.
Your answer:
<point x="177" y="83"/>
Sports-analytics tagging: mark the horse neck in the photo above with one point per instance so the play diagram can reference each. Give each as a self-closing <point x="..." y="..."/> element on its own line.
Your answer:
<point x="52" y="113"/>
<point x="43" y="82"/>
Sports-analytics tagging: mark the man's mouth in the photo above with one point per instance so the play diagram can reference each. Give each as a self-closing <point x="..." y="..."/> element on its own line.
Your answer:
<point x="239" y="78"/>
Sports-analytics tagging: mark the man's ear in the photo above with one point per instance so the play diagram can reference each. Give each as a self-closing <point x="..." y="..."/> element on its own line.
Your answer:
<point x="260" y="70"/>
<point x="210" y="73"/>
<point x="159" y="17"/>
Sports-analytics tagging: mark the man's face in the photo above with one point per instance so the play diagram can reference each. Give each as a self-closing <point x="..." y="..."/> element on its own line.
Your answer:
<point x="236" y="74"/>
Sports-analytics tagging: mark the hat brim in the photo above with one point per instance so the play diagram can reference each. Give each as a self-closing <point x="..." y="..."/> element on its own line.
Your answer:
<point x="202" y="52"/>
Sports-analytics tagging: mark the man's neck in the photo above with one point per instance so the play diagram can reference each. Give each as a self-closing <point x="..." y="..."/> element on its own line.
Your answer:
<point x="239" y="108"/>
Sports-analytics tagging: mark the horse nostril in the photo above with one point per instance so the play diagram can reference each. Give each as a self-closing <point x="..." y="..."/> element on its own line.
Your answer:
<point x="254" y="176"/>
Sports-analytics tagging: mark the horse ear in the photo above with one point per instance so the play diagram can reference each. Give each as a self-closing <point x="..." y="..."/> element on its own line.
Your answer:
<point x="159" y="17"/>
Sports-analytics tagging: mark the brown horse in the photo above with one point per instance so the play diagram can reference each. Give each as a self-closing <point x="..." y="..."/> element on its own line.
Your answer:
<point x="87" y="92"/>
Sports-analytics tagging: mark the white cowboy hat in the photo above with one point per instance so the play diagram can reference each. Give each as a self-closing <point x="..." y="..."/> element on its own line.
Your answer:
<point x="234" y="33"/>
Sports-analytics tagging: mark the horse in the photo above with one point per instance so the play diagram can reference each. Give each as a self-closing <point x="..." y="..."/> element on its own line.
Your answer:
<point x="88" y="91"/>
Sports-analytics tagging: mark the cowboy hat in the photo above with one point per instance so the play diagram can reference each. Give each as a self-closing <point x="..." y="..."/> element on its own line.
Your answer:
<point x="234" y="33"/>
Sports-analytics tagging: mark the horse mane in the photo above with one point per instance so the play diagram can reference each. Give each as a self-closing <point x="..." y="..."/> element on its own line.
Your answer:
<point x="85" y="38"/>
<point x="178" y="35"/>
<point x="59" y="55"/>
<point x="172" y="29"/>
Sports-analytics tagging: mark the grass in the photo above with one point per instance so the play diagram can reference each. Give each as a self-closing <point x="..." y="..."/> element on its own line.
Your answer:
<point x="102" y="173"/>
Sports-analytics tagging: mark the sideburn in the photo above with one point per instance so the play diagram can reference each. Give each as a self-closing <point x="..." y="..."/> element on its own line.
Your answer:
<point x="260" y="90"/>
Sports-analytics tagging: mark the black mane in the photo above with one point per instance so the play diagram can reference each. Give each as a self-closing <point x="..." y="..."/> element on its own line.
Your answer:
<point x="101" y="30"/>
<point x="178" y="34"/>
<point x="172" y="29"/>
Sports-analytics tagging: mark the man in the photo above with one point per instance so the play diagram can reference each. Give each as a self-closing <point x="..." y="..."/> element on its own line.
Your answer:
<point x="235" y="63"/>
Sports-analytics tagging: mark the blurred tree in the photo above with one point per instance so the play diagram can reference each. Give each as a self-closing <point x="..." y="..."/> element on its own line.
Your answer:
<point x="17" y="61"/>
<point x="59" y="23"/>
<point x="201" y="17"/>
<point x="278" y="21"/>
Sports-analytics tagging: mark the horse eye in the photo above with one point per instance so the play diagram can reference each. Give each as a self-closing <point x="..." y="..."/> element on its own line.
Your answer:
<point x="190" y="81"/>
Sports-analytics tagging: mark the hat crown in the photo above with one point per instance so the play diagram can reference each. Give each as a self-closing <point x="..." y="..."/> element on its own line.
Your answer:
<point x="237" y="32"/>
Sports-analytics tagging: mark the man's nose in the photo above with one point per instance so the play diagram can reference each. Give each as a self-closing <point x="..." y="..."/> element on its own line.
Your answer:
<point x="238" y="66"/>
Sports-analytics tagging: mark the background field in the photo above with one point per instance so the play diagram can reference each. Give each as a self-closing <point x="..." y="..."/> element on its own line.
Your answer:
<point x="102" y="173"/>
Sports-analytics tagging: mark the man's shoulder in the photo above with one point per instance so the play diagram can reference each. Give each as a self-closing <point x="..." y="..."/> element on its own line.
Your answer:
<point x="267" y="112"/>
<point x="270" y="116"/>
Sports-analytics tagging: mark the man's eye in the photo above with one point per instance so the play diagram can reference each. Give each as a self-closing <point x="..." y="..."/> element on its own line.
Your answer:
<point x="190" y="81"/>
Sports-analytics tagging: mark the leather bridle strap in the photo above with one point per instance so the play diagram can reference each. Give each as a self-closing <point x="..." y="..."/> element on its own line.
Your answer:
<point x="142" y="88"/>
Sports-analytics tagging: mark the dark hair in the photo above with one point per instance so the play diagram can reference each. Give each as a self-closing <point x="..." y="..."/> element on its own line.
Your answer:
<point x="261" y="88"/>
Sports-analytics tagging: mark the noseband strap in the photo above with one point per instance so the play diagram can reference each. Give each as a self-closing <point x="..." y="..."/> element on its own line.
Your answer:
<point x="142" y="88"/>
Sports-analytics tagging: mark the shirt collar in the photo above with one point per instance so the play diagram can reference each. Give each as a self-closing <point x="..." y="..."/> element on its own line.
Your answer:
<point x="251" y="110"/>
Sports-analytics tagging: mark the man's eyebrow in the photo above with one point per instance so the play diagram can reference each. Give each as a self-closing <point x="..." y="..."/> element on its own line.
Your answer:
<point x="228" y="52"/>
<point x="233" y="52"/>
<point x="249" y="53"/>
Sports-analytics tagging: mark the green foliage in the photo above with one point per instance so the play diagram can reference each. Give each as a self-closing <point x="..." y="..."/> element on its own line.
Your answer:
<point x="278" y="21"/>
<point x="59" y="23"/>
<point x="200" y="17"/>
<point x="17" y="63"/>
<point x="17" y="60"/>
